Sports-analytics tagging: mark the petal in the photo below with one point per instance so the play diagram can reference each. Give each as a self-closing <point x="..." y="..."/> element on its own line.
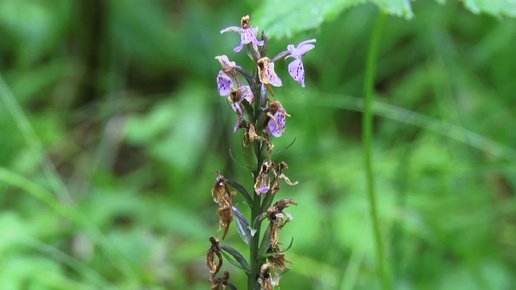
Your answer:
<point x="248" y="35"/>
<point x="273" y="77"/>
<point x="224" y="83"/>
<point x="301" y="49"/>
<point x="231" y="28"/>
<point x="262" y="190"/>
<point x="237" y="124"/>
<point x="236" y="107"/>
<point x="238" y="48"/>
<point x="276" y="125"/>
<point x="225" y="63"/>
<point x="247" y="94"/>
<point x="297" y="71"/>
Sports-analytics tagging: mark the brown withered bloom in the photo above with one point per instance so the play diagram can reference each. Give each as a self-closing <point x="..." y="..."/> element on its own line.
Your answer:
<point x="277" y="261"/>
<point x="222" y="281"/>
<point x="277" y="171"/>
<point x="251" y="136"/>
<point x="263" y="183"/>
<point x="213" y="251"/>
<point x="278" y="218"/>
<point x="265" y="278"/>
<point x="223" y="196"/>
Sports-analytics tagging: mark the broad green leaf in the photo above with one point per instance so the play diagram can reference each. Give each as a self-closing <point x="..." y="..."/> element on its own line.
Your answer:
<point x="494" y="7"/>
<point x="285" y="18"/>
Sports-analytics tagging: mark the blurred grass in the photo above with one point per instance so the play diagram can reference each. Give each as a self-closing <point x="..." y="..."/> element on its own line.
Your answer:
<point x="129" y="117"/>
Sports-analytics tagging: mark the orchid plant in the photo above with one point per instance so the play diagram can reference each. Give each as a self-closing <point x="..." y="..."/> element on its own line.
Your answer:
<point x="261" y="119"/>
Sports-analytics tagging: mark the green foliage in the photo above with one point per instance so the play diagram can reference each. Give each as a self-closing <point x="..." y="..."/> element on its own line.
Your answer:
<point x="138" y="153"/>
<point x="287" y="18"/>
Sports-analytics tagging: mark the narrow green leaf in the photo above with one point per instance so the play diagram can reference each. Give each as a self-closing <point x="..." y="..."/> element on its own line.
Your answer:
<point x="284" y="148"/>
<point x="235" y="258"/>
<point x="240" y="188"/>
<point x="266" y="255"/>
<point x="242" y="224"/>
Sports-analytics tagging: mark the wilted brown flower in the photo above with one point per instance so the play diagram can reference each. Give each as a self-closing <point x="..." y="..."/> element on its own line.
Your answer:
<point x="223" y="196"/>
<point x="222" y="281"/>
<point x="263" y="183"/>
<point x="277" y="261"/>
<point x="265" y="278"/>
<point x="213" y="251"/>
<point x="277" y="171"/>
<point x="278" y="218"/>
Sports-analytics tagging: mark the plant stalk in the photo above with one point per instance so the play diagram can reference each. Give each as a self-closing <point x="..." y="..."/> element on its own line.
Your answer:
<point x="367" y="134"/>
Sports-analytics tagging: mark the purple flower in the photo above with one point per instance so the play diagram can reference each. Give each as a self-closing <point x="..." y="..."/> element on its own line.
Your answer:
<point x="235" y="99"/>
<point x="266" y="72"/>
<point x="237" y="96"/>
<point x="247" y="34"/>
<point x="224" y="81"/>
<point x="277" y="124"/>
<point x="277" y="121"/>
<point x="295" y="68"/>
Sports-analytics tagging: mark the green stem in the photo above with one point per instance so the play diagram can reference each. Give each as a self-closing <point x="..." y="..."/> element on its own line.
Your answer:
<point x="256" y="209"/>
<point x="368" y="141"/>
<point x="255" y="244"/>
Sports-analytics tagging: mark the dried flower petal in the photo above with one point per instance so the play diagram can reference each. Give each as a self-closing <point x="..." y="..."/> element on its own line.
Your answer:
<point x="278" y="260"/>
<point x="262" y="184"/>
<point x="278" y="175"/>
<point x="222" y="281"/>
<point x="213" y="251"/>
<point x="223" y="196"/>
<point x="265" y="279"/>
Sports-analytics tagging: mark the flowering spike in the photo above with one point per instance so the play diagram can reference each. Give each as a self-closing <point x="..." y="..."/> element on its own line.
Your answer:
<point x="261" y="123"/>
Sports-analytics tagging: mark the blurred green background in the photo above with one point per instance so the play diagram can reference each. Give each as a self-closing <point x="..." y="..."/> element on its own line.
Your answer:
<point x="120" y="98"/>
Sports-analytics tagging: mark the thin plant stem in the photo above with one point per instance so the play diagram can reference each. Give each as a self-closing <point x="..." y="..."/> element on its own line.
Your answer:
<point x="255" y="244"/>
<point x="36" y="148"/>
<point x="368" y="141"/>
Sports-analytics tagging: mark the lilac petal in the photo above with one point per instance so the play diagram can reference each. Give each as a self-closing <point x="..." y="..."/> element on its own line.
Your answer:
<point x="248" y="35"/>
<point x="224" y="83"/>
<point x="247" y="94"/>
<point x="297" y="71"/>
<point x="237" y="124"/>
<point x="225" y="63"/>
<point x="301" y="49"/>
<point x="231" y="28"/>
<point x="238" y="48"/>
<point x="262" y="190"/>
<point x="277" y="124"/>
<point x="273" y="77"/>
<point x="236" y="107"/>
